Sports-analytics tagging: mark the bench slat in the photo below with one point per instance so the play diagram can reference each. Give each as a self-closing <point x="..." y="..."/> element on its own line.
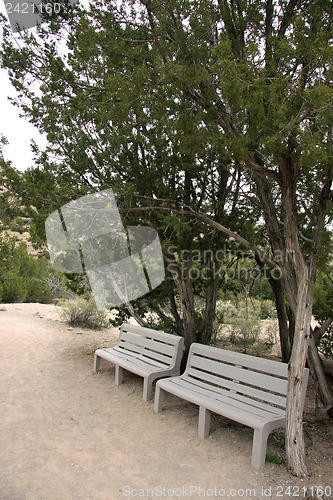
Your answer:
<point x="148" y="343"/>
<point x="240" y="388"/>
<point x="236" y="373"/>
<point x="125" y="346"/>
<point x="259" y="364"/>
<point x="136" y="352"/>
<point x="126" y="362"/>
<point x="250" y="406"/>
<point x="145" y="365"/>
<point x="217" y="391"/>
<point x="166" y="338"/>
<point x="227" y="410"/>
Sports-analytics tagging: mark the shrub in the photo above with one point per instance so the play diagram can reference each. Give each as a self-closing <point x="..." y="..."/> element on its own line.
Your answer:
<point x="241" y="323"/>
<point x="23" y="277"/>
<point x="83" y="312"/>
<point x="12" y="286"/>
<point x="274" y="459"/>
<point x="244" y="332"/>
<point x="267" y="309"/>
<point x="325" y="343"/>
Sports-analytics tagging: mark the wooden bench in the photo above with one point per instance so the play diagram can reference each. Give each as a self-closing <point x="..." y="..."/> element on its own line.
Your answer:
<point x="149" y="353"/>
<point x="243" y="388"/>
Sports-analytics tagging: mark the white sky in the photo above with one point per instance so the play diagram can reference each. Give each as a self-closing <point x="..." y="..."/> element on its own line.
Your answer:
<point x="18" y="130"/>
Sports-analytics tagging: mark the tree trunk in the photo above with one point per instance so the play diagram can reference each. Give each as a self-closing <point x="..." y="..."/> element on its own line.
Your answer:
<point x="295" y="448"/>
<point x="206" y="330"/>
<point x="282" y="314"/>
<point x="317" y="370"/>
<point x="291" y="317"/>
<point x="183" y="280"/>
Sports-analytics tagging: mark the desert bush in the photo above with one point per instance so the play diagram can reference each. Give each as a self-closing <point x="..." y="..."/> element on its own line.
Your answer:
<point x="241" y="323"/>
<point x="12" y="286"/>
<point x="267" y="309"/>
<point x="241" y="307"/>
<point x="245" y="332"/>
<point x="23" y="277"/>
<point x="83" y="312"/>
<point x="325" y="343"/>
<point x="59" y="286"/>
<point x="225" y="310"/>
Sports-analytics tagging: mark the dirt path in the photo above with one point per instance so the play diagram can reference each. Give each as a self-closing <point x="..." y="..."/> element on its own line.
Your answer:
<point x="68" y="434"/>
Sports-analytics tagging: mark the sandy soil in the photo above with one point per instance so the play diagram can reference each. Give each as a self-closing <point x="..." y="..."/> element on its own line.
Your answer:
<point x="69" y="434"/>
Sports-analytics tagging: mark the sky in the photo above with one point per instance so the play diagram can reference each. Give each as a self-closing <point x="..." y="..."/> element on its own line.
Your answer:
<point x="18" y="130"/>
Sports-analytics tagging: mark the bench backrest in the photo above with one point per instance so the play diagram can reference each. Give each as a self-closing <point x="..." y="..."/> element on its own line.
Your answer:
<point x="258" y="378"/>
<point x="165" y="348"/>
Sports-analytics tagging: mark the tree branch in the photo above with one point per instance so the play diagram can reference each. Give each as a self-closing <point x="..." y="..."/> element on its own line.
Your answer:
<point x="287" y="16"/>
<point x="210" y="222"/>
<point x="153" y="29"/>
<point x="319" y="331"/>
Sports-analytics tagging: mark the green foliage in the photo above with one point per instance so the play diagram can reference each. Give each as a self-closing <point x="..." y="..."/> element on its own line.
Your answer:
<point x="233" y="306"/>
<point x="244" y="332"/>
<point x="323" y="310"/>
<point x="23" y="277"/>
<point x="13" y="215"/>
<point x="30" y="196"/>
<point x="325" y="343"/>
<point x="13" y="287"/>
<point x="274" y="459"/>
<point x="323" y="296"/>
<point x="83" y="312"/>
<point x="240" y="323"/>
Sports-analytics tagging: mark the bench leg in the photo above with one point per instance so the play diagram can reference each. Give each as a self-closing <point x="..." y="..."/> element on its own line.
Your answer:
<point x="259" y="447"/>
<point x="159" y="397"/>
<point x="147" y="388"/>
<point x="97" y="361"/>
<point x="204" y="422"/>
<point x="119" y="375"/>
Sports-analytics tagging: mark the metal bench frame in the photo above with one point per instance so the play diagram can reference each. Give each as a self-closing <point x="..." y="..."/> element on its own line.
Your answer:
<point x="149" y="353"/>
<point x="243" y="388"/>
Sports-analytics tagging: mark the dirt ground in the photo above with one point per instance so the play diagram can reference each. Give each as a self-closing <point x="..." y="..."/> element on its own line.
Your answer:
<point x="67" y="433"/>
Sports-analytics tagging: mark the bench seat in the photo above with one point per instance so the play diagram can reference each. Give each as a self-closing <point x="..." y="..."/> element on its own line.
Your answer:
<point x="243" y="388"/>
<point x="148" y="353"/>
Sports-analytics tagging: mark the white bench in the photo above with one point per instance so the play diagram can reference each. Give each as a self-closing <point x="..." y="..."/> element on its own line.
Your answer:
<point x="243" y="388"/>
<point x="149" y="353"/>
